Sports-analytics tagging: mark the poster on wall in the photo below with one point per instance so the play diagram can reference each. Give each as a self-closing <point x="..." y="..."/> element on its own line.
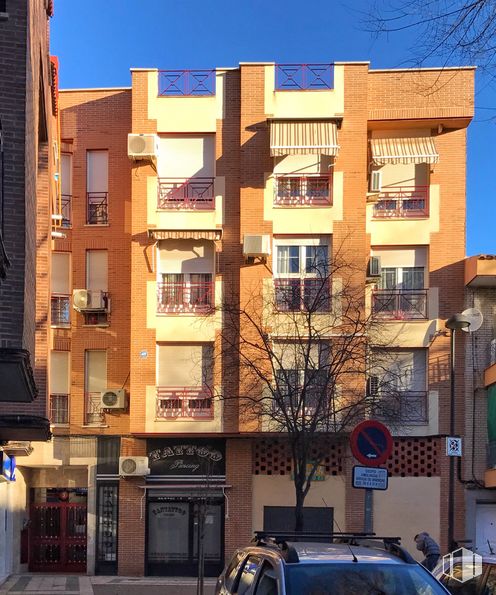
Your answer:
<point x="187" y="457"/>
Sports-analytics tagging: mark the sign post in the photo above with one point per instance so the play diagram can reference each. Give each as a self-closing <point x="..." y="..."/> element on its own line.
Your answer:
<point x="371" y="444"/>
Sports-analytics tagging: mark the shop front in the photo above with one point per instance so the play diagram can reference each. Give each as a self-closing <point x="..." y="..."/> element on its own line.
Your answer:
<point x="185" y="498"/>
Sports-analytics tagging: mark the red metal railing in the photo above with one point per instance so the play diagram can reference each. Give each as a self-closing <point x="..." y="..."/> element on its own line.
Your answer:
<point x="175" y="402"/>
<point x="403" y="202"/>
<point x="303" y="190"/>
<point x="93" y="413"/>
<point x="185" y="297"/>
<point x="186" y="83"/>
<point x="304" y="77"/>
<point x="59" y="409"/>
<point x="60" y="309"/>
<point x="311" y="294"/>
<point x="66" y="206"/>
<point x="96" y="208"/>
<point x="400" y="304"/>
<point x="186" y="194"/>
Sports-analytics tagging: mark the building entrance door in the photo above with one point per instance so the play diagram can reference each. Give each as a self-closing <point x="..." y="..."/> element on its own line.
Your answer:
<point x="175" y="536"/>
<point x="485" y="531"/>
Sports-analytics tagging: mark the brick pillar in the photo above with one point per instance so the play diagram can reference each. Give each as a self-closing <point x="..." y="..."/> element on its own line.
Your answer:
<point x="355" y="499"/>
<point x="132" y="509"/>
<point x="239" y="476"/>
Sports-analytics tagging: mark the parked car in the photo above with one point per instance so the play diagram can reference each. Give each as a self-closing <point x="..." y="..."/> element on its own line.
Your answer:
<point x="484" y="584"/>
<point x="345" y="564"/>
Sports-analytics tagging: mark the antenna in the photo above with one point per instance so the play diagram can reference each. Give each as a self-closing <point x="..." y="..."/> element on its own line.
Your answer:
<point x="476" y="319"/>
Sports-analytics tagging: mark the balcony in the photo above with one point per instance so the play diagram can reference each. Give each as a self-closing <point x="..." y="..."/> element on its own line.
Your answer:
<point x="403" y="202"/>
<point x="193" y="194"/>
<point x="61" y="310"/>
<point x="406" y="407"/>
<point x="400" y="304"/>
<point x="304" y="77"/>
<point x="186" y="83"/>
<point x="308" y="295"/>
<point x="97" y="208"/>
<point x="185" y="297"/>
<point x="93" y="414"/>
<point x="66" y="208"/>
<point x="300" y="191"/>
<point x="180" y="402"/>
<point x="59" y="409"/>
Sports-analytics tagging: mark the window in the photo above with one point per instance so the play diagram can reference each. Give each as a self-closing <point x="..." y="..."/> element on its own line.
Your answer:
<point x="97" y="283"/>
<point x="248" y="574"/>
<point x="97" y="187"/>
<point x="267" y="581"/>
<point x="95" y="384"/>
<point x="59" y="387"/>
<point x="282" y="518"/>
<point x="66" y="188"/>
<point x="60" y="289"/>
<point x="402" y="278"/>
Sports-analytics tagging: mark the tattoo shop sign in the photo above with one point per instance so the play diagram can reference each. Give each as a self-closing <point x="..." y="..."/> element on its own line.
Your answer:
<point x="188" y="457"/>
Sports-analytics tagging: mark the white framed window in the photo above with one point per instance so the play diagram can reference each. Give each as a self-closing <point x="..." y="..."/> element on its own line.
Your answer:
<point x="95" y="382"/>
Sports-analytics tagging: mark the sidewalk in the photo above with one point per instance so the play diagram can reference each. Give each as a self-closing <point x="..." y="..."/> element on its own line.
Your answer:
<point x="101" y="585"/>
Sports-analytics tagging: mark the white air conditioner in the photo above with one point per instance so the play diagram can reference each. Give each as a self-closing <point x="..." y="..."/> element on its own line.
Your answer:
<point x="113" y="399"/>
<point x="256" y="246"/>
<point x="88" y="300"/>
<point x="142" y="146"/>
<point x="375" y="181"/>
<point x="374" y="267"/>
<point x="133" y="466"/>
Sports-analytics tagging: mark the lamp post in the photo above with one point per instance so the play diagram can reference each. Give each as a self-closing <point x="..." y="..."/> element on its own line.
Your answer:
<point x="456" y="322"/>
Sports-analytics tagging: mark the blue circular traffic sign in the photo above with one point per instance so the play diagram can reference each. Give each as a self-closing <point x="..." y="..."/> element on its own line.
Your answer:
<point x="371" y="443"/>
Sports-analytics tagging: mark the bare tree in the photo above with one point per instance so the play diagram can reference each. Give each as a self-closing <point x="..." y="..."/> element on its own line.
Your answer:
<point x="302" y="349"/>
<point x="455" y="31"/>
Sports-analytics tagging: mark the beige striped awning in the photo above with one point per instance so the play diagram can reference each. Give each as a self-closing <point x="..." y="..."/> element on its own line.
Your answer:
<point x="421" y="149"/>
<point x="303" y="138"/>
<point x="185" y="234"/>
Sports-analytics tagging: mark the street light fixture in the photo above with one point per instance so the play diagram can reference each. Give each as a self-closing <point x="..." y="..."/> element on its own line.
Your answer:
<point x="455" y="323"/>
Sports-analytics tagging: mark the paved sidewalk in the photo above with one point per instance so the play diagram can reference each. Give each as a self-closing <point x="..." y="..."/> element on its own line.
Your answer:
<point x="42" y="584"/>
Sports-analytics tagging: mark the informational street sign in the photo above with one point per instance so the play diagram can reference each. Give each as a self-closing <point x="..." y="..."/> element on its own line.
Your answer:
<point x="370" y="478"/>
<point x="453" y="446"/>
<point x="8" y="467"/>
<point x="371" y="443"/>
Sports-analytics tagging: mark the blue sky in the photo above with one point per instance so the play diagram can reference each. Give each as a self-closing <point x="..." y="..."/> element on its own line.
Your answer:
<point x="98" y="41"/>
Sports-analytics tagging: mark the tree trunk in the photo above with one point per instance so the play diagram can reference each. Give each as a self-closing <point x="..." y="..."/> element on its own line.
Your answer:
<point x="300" y="500"/>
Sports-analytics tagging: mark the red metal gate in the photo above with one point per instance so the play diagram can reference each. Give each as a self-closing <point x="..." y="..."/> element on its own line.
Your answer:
<point x="57" y="537"/>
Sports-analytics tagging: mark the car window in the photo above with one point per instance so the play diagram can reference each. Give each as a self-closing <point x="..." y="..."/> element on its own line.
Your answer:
<point x="455" y="583"/>
<point x="248" y="573"/>
<point x="490" y="588"/>
<point x="232" y="570"/>
<point x="267" y="581"/>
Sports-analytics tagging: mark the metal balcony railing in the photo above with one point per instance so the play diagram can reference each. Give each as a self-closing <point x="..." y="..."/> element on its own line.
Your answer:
<point x="400" y="304"/>
<point x="59" y="409"/>
<point x="310" y="294"/>
<point x="186" y="83"/>
<point x="66" y="206"/>
<point x="491" y="454"/>
<point x="97" y="208"/>
<point x="406" y="407"/>
<point x="304" y="77"/>
<point x="185" y="297"/>
<point x="404" y="202"/>
<point x="60" y="310"/>
<point x="93" y="413"/>
<point x="184" y="402"/>
<point x="189" y="194"/>
<point x="303" y="190"/>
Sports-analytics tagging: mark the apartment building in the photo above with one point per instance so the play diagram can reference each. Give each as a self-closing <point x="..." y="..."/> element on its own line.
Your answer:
<point x="189" y="188"/>
<point x="28" y="199"/>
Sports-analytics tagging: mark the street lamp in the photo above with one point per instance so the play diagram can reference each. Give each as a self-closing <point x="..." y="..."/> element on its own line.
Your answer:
<point x="455" y="323"/>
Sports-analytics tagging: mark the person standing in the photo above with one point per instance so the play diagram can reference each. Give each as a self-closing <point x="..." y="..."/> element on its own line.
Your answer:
<point x="429" y="548"/>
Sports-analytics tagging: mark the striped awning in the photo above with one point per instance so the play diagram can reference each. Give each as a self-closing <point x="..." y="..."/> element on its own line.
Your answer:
<point x="420" y="149"/>
<point x="303" y="138"/>
<point x="185" y="234"/>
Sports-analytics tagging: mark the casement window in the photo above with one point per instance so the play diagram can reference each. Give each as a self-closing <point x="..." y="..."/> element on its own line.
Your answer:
<point x="97" y="187"/>
<point x="97" y="270"/>
<point x="59" y="387"/>
<point x="95" y="382"/>
<point x="402" y="278"/>
<point x="60" y="279"/>
<point x="66" y="189"/>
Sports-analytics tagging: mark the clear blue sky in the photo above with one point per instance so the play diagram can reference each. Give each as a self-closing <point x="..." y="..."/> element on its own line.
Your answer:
<point x="98" y="41"/>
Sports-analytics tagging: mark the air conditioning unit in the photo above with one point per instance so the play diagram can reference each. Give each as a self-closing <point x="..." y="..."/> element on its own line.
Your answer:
<point x="113" y="399"/>
<point x="375" y="181"/>
<point x="142" y="146"/>
<point x="256" y="246"/>
<point x="133" y="466"/>
<point x="492" y="352"/>
<point x="374" y="268"/>
<point x="90" y="300"/>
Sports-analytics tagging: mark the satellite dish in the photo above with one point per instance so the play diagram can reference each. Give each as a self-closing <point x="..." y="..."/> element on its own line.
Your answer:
<point x="476" y="319"/>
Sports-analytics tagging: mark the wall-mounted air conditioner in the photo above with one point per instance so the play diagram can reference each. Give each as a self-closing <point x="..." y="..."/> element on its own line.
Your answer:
<point x="142" y="146"/>
<point x="374" y="268"/>
<point x="256" y="246"/>
<point x="133" y="466"/>
<point x="375" y="182"/>
<point x="90" y="300"/>
<point x="114" y="398"/>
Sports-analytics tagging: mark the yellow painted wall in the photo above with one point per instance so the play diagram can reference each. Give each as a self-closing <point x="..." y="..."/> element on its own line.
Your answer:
<point x="409" y="505"/>
<point x="278" y="490"/>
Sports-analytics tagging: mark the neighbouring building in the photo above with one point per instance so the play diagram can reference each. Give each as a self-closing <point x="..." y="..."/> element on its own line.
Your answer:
<point x="231" y="180"/>
<point x="28" y="215"/>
